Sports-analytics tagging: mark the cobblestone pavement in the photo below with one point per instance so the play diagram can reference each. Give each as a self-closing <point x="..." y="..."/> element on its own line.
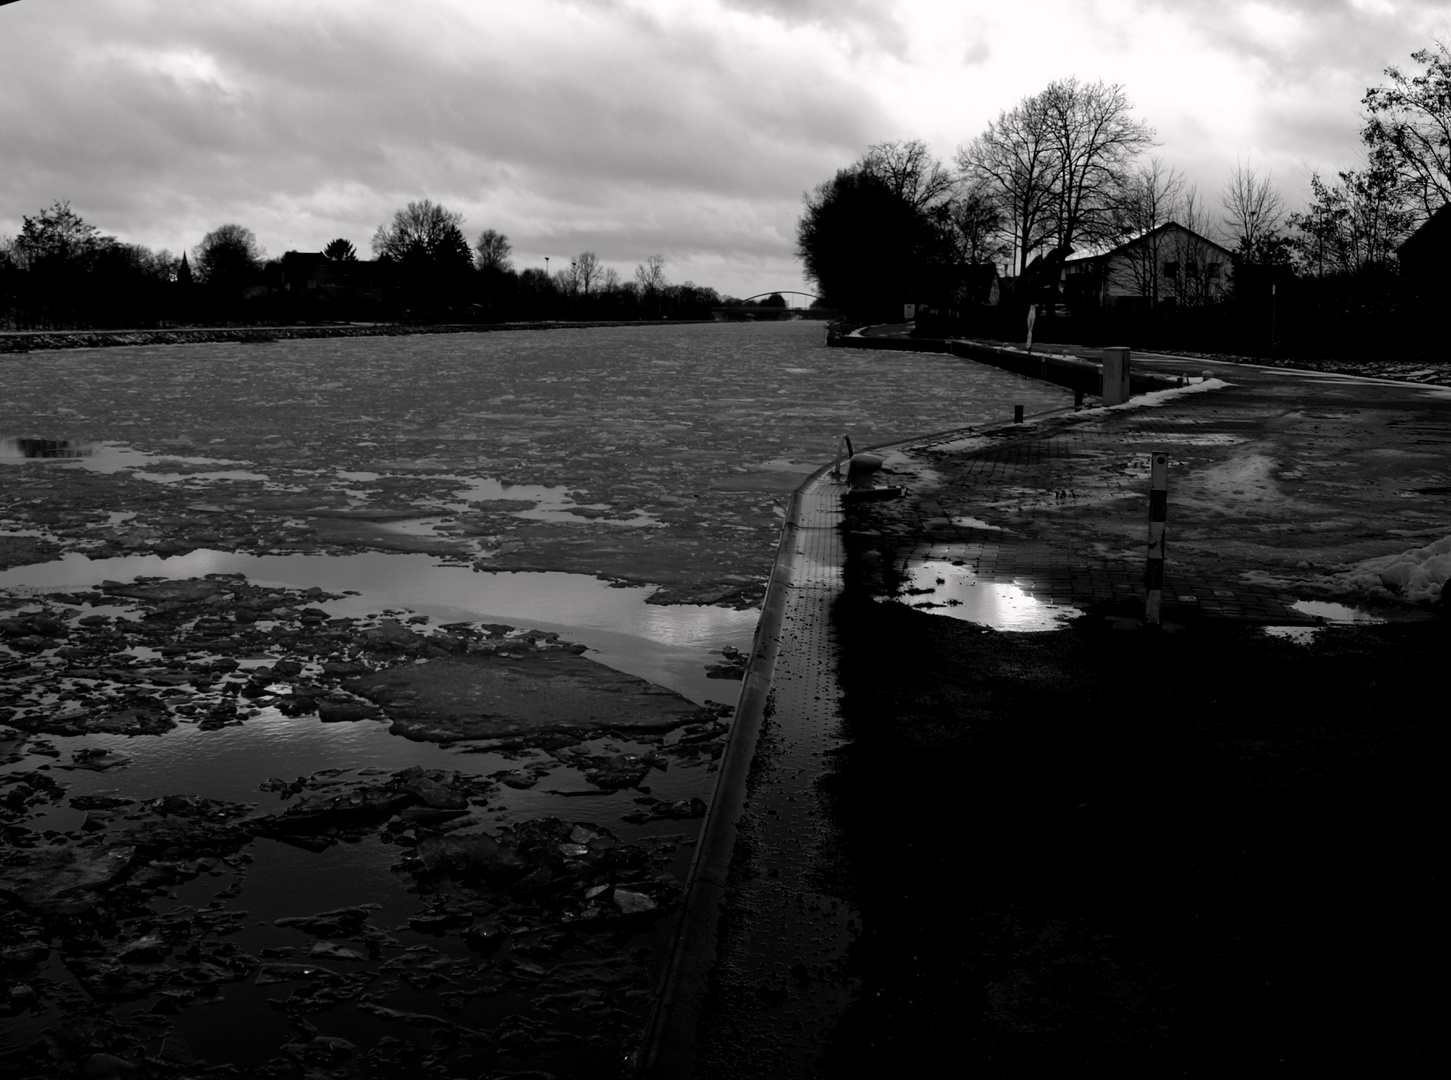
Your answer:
<point x="1278" y="481"/>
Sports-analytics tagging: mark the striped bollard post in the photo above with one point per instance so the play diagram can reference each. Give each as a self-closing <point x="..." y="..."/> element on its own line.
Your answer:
<point x="1158" y="516"/>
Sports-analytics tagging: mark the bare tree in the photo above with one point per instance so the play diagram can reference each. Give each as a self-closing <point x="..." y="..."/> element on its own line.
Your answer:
<point x="1197" y="258"/>
<point x="494" y="249"/>
<point x="1095" y="139"/>
<point x="1013" y="163"/>
<point x="1408" y="129"/>
<point x="228" y="256"/>
<point x="422" y="229"/>
<point x="610" y="282"/>
<point x="56" y="237"/>
<point x="587" y="271"/>
<point x="978" y="230"/>
<point x="1150" y="199"/>
<point x="650" y="276"/>
<point x="1352" y="224"/>
<point x="911" y="172"/>
<point x="1254" y="210"/>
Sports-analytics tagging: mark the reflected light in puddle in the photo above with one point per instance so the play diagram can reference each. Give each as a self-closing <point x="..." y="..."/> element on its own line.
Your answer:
<point x="1331" y="613"/>
<point x="955" y="591"/>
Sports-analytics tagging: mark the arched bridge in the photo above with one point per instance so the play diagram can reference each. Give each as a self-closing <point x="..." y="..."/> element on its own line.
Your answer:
<point x="778" y="292"/>
<point x="752" y="307"/>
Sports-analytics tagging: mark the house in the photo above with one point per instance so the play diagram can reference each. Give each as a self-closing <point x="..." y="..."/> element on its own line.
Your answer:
<point x="337" y="286"/>
<point x="977" y="285"/>
<point x="1167" y="266"/>
<point x="1425" y="255"/>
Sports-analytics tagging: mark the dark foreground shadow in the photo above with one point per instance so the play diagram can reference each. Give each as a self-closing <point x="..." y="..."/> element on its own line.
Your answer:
<point x="1207" y="853"/>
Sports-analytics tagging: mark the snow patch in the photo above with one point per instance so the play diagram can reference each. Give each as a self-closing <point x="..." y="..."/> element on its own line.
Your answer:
<point x="1418" y="575"/>
<point x="1156" y="398"/>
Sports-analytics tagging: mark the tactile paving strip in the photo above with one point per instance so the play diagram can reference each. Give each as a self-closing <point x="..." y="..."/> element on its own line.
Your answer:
<point x="781" y="980"/>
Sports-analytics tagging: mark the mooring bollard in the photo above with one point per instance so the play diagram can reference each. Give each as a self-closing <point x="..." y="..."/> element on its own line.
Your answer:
<point x="1017" y="414"/>
<point x="1158" y="518"/>
<point x="1078" y="398"/>
<point x="1115" y="376"/>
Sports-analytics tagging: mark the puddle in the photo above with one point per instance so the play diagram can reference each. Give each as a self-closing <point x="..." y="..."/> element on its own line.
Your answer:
<point x="939" y="587"/>
<point x="667" y="645"/>
<point x="1338" y="614"/>
<point x="1331" y="613"/>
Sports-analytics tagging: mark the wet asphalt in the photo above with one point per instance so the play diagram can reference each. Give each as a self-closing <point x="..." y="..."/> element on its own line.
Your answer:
<point x="1280" y="482"/>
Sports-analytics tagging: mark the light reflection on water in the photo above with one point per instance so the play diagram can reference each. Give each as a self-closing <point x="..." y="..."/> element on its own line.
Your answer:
<point x="668" y="645"/>
<point x="230" y="763"/>
<point x="728" y="411"/>
<point x="942" y="588"/>
<point x="103" y="457"/>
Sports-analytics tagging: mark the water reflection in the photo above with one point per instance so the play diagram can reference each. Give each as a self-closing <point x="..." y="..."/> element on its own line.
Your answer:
<point x="112" y="457"/>
<point x="1332" y="612"/>
<point x="16" y="450"/>
<point x="942" y="588"/>
<point x="667" y="645"/>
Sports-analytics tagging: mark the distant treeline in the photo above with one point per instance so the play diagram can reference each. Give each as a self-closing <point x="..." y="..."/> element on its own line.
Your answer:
<point x="62" y="273"/>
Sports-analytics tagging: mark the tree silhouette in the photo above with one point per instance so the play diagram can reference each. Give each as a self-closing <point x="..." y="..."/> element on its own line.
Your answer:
<point x="867" y="247"/>
<point x="422" y="231"/>
<point x="228" y="258"/>
<point x="340" y="250"/>
<point x="427" y="244"/>
<point x="493" y="248"/>
<point x="1409" y="128"/>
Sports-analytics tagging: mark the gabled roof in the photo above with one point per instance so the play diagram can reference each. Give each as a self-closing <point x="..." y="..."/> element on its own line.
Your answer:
<point x="1434" y="228"/>
<point x="1139" y="237"/>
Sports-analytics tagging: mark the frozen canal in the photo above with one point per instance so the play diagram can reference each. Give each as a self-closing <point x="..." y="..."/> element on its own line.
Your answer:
<point x="188" y="848"/>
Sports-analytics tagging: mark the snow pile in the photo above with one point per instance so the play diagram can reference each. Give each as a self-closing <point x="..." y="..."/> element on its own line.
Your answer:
<point x="1418" y="575"/>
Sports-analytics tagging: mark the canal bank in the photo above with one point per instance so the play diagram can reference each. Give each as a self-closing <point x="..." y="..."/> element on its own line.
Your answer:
<point x="1157" y="851"/>
<point x="193" y="760"/>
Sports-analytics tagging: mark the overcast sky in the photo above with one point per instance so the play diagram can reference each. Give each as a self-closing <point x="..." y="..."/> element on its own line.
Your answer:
<point x="688" y="128"/>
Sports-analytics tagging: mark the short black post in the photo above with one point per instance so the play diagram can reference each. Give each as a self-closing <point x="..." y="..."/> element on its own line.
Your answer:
<point x="1017" y="414"/>
<point x="1158" y="516"/>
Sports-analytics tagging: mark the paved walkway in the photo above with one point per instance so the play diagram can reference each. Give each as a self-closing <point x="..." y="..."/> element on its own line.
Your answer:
<point x="1278" y="481"/>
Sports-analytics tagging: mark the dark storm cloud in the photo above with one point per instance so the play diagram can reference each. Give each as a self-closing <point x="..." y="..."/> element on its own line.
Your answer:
<point x="255" y="113"/>
<point x="626" y="127"/>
